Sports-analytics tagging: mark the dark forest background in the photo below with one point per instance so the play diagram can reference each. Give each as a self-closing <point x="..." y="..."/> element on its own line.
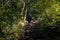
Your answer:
<point x="46" y="12"/>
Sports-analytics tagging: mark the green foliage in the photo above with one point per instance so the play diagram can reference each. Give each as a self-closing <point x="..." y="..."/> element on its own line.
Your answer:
<point x="47" y="12"/>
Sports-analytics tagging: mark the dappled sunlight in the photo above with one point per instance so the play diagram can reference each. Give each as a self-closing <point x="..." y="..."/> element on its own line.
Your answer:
<point x="52" y="13"/>
<point x="20" y="24"/>
<point x="30" y="19"/>
<point x="56" y="6"/>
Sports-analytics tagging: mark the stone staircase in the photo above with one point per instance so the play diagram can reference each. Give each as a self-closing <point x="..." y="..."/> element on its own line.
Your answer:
<point x="29" y="30"/>
<point x="32" y="31"/>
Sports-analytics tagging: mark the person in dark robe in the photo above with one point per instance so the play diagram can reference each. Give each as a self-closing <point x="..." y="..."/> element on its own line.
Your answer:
<point x="29" y="17"/>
